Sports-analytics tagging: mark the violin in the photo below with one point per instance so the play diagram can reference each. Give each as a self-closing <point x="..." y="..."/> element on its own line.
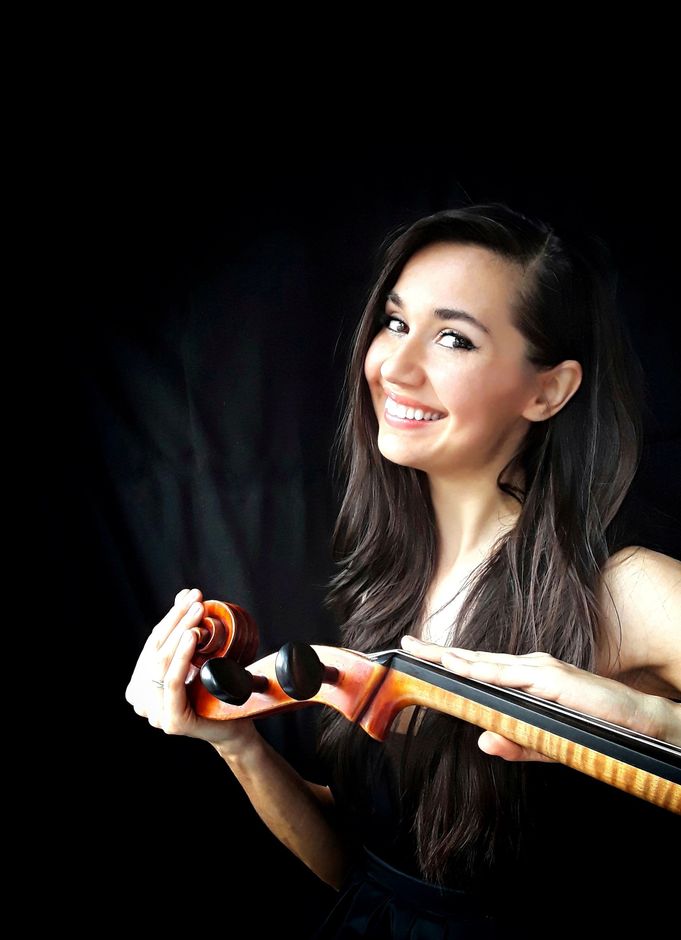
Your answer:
<point x="370" y="690"/>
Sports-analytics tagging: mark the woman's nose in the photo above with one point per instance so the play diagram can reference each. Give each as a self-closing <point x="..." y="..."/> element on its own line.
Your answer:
<point x="403" y="366"/>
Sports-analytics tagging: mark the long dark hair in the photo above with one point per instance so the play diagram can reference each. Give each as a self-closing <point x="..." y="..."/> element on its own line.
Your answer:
<point x="538" y="590"/>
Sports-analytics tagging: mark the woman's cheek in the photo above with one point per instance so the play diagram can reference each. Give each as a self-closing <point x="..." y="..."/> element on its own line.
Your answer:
<point x="457" y="392"/>
<point x="372" y="363"/>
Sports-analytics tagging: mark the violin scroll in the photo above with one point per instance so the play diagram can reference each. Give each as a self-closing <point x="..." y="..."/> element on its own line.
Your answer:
<point x="226" y="629"/>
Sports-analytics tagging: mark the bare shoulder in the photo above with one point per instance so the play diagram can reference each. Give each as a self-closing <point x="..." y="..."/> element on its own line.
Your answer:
<point x="641" y="610"/>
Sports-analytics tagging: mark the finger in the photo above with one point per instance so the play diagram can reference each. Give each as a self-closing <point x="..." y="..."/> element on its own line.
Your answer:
<point x="492" y="743"/>
<point x="151" y="685"/>
<point x="548" y="682"/>
<point x="530" y="659"/>
<point x="175" y="704"/>
<point x="431" y="652"/>
<point x="162" y="630"/>
<point x="514" y="674"/>
<point x="189" y="621"/>
<point x="191" y="674"/>
<point x="539" y="674"/>
<point x="165" y="627"/>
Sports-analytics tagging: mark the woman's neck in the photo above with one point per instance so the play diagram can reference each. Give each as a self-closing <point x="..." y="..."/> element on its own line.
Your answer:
<point x="470" y="516"/>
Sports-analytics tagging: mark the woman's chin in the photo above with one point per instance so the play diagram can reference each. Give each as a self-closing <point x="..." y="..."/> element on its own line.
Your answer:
<point x="402" y="457"/>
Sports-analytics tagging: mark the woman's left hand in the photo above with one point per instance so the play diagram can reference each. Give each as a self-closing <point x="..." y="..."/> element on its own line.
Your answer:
<point x="546" y="677"/>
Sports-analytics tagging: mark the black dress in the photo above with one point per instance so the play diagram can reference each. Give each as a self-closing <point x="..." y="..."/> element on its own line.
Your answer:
<point x="596" y="858"/>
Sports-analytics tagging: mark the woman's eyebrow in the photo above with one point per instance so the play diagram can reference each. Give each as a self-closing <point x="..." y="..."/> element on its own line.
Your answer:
<point x="445" y="313"/>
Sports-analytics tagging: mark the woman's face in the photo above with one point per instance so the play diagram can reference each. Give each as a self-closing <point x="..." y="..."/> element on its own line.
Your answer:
<point x="449" y="393"/>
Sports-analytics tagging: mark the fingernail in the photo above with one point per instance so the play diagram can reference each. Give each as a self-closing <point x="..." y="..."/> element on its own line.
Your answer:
<point x="195" y="608"/>
<point x="193" y="594"/>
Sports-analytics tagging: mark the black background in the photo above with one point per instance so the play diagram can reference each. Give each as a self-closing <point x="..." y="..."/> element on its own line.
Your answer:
<point x="190" y="410"/>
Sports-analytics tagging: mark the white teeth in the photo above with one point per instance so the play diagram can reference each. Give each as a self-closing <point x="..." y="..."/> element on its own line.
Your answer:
<point x="412" y="414"/>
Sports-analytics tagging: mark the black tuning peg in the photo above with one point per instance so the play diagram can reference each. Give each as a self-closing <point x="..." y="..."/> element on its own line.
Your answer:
<point x="230" y="682"/>
<point x="300" y="672"/>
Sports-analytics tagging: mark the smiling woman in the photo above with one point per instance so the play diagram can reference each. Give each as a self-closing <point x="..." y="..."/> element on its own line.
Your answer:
<point x="492" y="431"/>
<point x="483" y="394"/>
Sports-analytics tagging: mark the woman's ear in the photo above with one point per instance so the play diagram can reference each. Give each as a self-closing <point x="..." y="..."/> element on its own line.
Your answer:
<point x="555" y="388"/>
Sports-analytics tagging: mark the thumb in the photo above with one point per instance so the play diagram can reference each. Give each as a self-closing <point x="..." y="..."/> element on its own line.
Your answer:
<point x="492" y="743"/>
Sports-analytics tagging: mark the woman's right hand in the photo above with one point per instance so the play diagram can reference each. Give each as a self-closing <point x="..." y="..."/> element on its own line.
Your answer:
<point x="157" y="688"/>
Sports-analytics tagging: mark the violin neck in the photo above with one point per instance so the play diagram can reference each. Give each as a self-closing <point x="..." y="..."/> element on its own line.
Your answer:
<point x="642" y="766"/>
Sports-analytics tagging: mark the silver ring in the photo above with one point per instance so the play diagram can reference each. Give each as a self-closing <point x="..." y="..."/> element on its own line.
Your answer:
<point x="158" y="682"/>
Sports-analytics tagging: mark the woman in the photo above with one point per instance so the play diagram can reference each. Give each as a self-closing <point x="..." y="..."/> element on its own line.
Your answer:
<point x="491" y="434"/>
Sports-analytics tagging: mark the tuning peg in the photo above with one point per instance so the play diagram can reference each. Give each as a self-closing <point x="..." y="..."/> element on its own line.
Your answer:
<point x="230" y="682"/>
<point x="300" y="672"/>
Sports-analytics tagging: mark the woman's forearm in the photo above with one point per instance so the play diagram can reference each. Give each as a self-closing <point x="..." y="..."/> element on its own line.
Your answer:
<point x="287" y="805"/>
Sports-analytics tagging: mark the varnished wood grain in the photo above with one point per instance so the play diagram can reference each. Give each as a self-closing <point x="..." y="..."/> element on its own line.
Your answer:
<point x="399" y="691"/>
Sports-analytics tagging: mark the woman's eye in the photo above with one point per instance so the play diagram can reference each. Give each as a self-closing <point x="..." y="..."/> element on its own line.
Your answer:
<point x="453" y="340"/>
<point x="449" y="339"/>
<point x="393" y="324"/>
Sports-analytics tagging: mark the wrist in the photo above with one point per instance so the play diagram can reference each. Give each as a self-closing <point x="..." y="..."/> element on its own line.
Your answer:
<point x="241" y="749"/>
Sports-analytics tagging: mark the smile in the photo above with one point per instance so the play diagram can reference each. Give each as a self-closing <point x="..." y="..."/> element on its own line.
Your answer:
<point x="396" y="410"/>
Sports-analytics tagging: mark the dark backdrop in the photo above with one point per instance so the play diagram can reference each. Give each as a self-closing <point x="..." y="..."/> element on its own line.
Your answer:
<point x="191" y="407"/>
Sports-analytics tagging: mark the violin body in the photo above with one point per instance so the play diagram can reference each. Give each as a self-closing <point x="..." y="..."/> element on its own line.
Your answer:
<point x="370" y="690"/>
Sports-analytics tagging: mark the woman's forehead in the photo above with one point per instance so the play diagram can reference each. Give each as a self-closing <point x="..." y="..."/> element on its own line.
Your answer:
<point x="470" y="278"/>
